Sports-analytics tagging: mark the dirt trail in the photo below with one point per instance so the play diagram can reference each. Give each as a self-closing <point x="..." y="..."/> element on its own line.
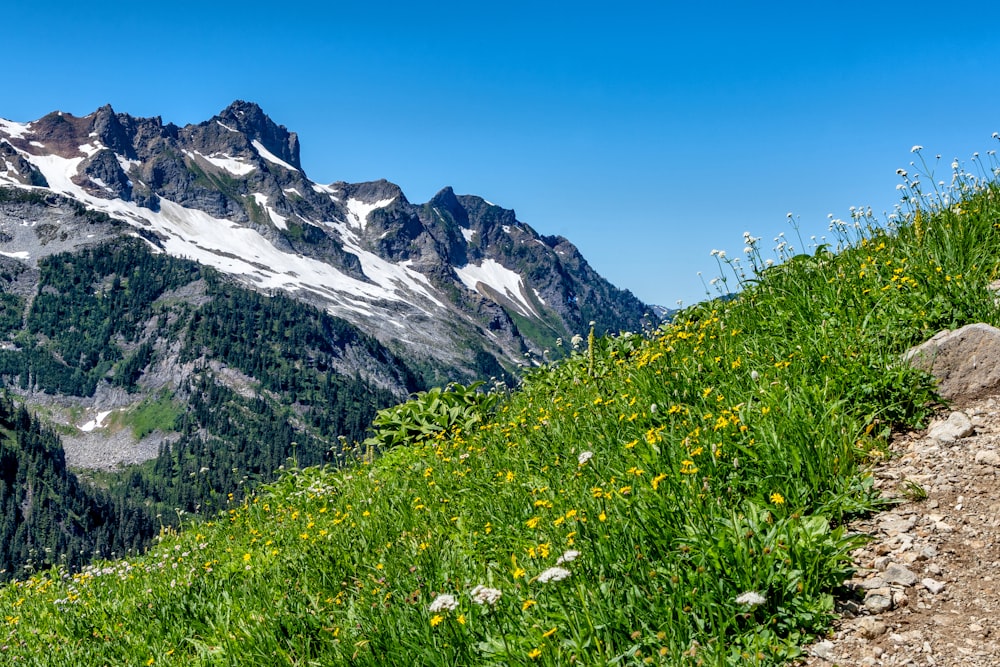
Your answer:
<point x="927" y="589"/>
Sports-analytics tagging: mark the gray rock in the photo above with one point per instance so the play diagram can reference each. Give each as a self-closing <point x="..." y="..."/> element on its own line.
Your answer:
<point x="874" y="582"/>
<point x="870" y="628"/>
<point x="892" y="524"/>
<point x="988" y="457"/>
<point x="897" y="574"/>
<point x="933" y="585"/>
<point x="957" y="426"/>
<point x="878" y="600"/>
<point x="823" y="649"/>
<point x="965" y="361"/>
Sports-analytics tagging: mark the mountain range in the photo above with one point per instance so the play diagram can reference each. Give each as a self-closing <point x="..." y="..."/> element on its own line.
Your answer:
<point x="183" y="312"/>
<point x="442" y="281"/>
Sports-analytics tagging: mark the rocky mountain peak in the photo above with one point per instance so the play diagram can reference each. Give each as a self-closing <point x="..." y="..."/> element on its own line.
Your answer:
<point x="459" y="279"/>
<point x="371" y="191"/>
<point x="249" y="119"/>
<point x="109" y="129"/>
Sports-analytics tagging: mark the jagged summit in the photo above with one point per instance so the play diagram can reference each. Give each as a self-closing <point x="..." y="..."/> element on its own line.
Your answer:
<point x="450" y="280"/>
<point x="249" y="119"/>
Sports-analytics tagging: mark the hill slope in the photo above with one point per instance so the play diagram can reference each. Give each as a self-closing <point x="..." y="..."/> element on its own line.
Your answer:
<point x="675" y="499"/>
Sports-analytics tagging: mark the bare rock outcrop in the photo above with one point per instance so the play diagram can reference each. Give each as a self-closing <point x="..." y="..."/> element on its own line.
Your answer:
<point x="965" y="361"/>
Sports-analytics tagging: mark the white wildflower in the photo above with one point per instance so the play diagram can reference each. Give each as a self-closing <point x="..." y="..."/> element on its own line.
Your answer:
<point x="568" y="556"/>
<point x="554" y="574"/>
<point x="485" y="595"/>
<point x="443" y="602"/>
<point x="916" y="149"/>
<point x="754" y="375"/>
<point x="751" y="598"/>
<point x="584" y="457"/>
<point x="901" y="172"/>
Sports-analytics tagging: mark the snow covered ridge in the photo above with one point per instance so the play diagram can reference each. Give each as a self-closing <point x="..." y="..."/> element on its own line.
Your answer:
<point x="501" y="280"/>
<point x="230" y="193"/>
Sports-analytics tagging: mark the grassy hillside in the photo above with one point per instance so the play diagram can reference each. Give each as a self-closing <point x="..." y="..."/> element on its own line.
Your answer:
<point x="676" y="497"/>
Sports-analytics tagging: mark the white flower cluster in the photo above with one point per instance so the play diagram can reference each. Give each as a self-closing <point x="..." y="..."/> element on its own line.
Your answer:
<point x="443" y="602"/>
<point x="554" y="574"/>
<point x="584" y="457"/>
<point x="485" y="595"/>
<point x="568" y="556"/>
<point x="751" y="598"/>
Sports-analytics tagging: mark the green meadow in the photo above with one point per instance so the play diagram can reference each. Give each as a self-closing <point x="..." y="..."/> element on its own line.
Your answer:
<point x="677" y="496"/>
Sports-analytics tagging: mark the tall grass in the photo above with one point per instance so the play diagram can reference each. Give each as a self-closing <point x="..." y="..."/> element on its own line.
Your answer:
<point x="675" y="497"/>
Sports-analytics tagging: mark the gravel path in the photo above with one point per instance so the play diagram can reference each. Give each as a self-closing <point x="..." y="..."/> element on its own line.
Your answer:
<point x="927" y="587"/>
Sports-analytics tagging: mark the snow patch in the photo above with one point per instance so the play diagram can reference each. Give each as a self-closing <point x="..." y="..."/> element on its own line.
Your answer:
<point x="96" y="422"/>
<point x="20" y="254"/>
<point x="36" y="144"/>
<point x="14" y="130"/>
<point x="468" y="234"/>
<point x="226" y="127"/>
<point x="499" y="278"/>
<point x="236" y="250"/>
<point x="360" y="210"/>
<point x="506" y="229"/>
<point x="271" y="157"/>
<point x="233" y="165"/>
<point x="58" y="171"/>
<point x="90" y="149"/>
<point x="280" y="221"/>
<point x="292" y="191"/>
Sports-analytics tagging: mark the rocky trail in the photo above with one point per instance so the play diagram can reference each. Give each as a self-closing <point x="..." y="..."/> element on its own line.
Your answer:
<point x="927" y="586"/>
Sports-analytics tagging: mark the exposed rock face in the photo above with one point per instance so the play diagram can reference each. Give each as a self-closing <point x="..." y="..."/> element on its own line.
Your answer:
<point x="457" y="280"/>
<point x="965" y="361"/>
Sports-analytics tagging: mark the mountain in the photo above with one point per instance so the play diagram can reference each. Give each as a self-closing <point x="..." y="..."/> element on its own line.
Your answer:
<point x="457" y="283"/>
<point x="186" y="312"/>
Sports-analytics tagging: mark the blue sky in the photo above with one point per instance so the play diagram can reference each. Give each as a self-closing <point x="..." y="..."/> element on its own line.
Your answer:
<point x="648" y="133"/>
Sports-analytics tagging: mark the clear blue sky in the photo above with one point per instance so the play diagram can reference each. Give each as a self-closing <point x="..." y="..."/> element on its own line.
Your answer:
<point x="648" y="133"/>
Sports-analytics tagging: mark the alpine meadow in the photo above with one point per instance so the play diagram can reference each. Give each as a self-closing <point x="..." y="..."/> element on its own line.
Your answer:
<point x="671" y="496"/>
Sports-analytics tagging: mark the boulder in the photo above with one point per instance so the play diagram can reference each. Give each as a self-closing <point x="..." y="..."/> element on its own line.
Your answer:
<point x="965" y="361"/>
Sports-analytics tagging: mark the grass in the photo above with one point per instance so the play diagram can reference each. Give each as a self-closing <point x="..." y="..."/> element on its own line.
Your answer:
<point x="677" y="497"/>
<point x="159" y="413"/>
